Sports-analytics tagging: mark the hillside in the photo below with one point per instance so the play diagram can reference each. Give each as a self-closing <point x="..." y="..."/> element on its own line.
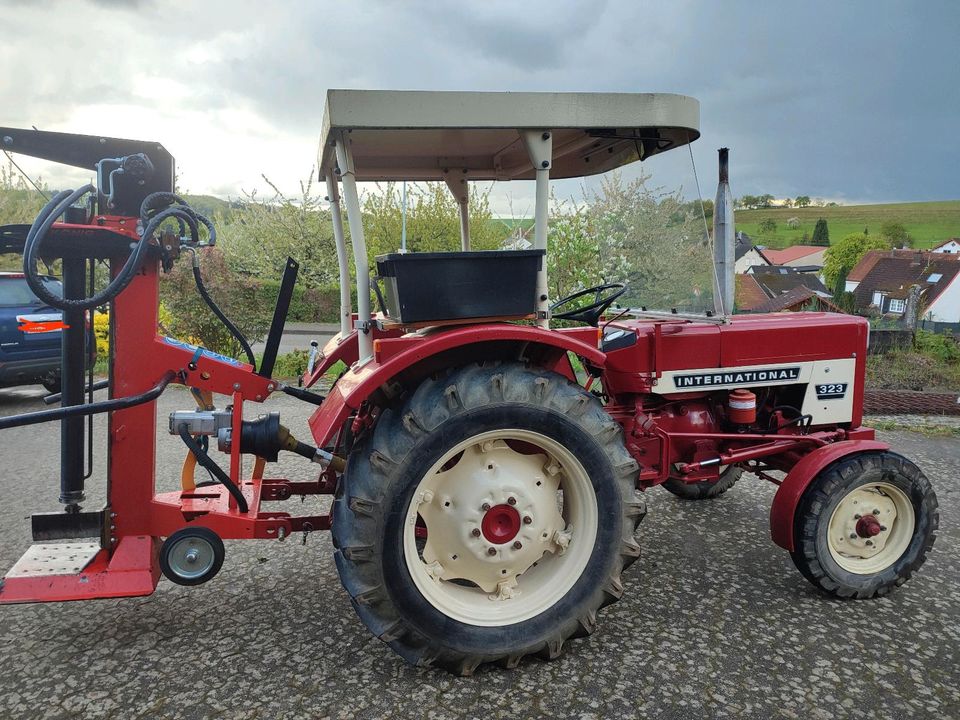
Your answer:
<point x="928" y="222"/>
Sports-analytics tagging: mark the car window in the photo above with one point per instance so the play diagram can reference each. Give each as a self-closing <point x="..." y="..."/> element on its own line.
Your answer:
<point x="14" y="291"/>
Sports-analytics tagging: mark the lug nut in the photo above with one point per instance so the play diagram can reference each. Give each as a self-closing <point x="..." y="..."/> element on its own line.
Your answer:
<point x="476" y="532"/>
<point x="491" y="551"/>
<point x="857" y="516"/>
<point x="869" y="542"/>
<point x="853" y="536"/>
<point x="485" y="507"/>
<point x="511" y="501"/>
<point x="527" y="519"/>
<point x="883" y="528"/>
<point x="517" y="545"/>
<point x="876" y="512"/>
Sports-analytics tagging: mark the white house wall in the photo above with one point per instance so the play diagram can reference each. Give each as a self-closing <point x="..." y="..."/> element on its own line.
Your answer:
<point x="747" y="260"/>
<point x="946" y="308"/>
<point x="951" y="247"/>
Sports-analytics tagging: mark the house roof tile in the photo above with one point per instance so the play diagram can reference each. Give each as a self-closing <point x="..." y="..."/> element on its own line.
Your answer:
<point x="788" y="299"/>
<point x="748" y="293"/>
<point x="897" y="273"/>
<point x="870" y="258"/>
<point x="776" y="282"/>
<point x="794" y="252"/>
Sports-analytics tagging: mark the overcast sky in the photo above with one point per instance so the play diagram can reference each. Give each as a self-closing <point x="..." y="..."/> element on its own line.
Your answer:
<point x="852" y="101"/>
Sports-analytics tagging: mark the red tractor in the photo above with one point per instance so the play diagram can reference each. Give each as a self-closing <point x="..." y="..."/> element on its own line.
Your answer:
<point x="484" y="466"/>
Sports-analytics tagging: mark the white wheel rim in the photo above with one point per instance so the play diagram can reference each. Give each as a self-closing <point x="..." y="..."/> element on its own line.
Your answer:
<point x="510" y="584"/>
<point x="871" y="528"/>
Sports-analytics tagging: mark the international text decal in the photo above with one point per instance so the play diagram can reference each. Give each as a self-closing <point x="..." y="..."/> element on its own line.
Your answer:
<point x="739" y="377"/>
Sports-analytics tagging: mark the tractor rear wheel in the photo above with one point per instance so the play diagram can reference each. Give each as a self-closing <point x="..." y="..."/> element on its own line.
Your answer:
<point x="864" y="525"/>
<point x="487" y="519"/>
<point x="705" y="489"/>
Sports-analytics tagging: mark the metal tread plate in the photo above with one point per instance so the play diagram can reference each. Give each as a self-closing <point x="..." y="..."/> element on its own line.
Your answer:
<point x="55" y="559"/>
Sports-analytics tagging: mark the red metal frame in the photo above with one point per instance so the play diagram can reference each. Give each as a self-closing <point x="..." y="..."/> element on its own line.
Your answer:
<point x="783" y="509"/>
<point x="677" y="435"/>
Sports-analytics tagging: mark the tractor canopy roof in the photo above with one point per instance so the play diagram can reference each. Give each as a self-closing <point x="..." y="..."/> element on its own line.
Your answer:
<point x="424" y="135"/>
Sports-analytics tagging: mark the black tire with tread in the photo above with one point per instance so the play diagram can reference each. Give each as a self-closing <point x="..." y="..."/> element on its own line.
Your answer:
<point x="811" y="554"/>
<point x="206" y="535"/>
<point x="706" y="489"/>
<point x="387" y="465"/>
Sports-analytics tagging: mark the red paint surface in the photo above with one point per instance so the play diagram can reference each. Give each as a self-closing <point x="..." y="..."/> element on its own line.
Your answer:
<point x="396" y="354"/>
<point x="500" y="524"/>
<point x="131" y="570"/>
<point x="788" y="496"/>
<point x="28" y="326"/>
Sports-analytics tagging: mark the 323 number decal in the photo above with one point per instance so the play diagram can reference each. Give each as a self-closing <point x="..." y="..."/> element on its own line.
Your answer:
<point x="831" y="391"/>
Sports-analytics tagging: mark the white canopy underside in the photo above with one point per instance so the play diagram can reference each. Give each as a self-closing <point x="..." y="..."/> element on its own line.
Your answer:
<point x="421" y="135"/>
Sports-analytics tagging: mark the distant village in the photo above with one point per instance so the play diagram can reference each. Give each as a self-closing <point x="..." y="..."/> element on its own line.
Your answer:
<point x="879" y="285"/>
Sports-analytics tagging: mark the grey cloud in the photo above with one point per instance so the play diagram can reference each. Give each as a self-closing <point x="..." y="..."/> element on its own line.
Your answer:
<point x="828" y="99"/>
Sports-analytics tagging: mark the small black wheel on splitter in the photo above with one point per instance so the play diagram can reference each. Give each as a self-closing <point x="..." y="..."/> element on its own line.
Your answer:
<point x="191" y="556"/>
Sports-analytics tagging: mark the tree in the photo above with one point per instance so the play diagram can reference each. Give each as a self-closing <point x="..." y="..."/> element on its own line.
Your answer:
<point x="236" y="294"/>
<point x="802" y="201"/>
<point x="768" y="226"/>
<point x="765" y="201"/>
<point x="842" y="257"/>
<point x="841" y="298"/>
<point x="19" y="203"/>
<point x="257" y="236"/>
<point x="821" y="233"/>
<point x="787" y="203"/>
<point x="433" y="219"/>
<point x="749" y="201"/>
<point x="896" y="234"/>
<point x="644" y="240"/>
<point x="573" y="258"/>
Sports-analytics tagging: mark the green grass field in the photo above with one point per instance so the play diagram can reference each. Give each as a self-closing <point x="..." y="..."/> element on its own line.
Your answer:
<point x="930" y="223"/>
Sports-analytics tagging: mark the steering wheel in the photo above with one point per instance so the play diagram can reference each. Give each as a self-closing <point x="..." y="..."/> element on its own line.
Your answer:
<point x="590" y="313"/>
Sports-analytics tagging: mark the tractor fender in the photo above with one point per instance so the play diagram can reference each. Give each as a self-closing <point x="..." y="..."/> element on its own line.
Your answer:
<point x="394" y="355"/>
<point x="785" y="502"/>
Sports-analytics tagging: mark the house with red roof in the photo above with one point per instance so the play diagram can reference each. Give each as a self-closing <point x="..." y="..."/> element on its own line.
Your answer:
<point x="796" y="255"/>
<point x="883" y="283"/>
<point x="867" y="262"/>
<point x="772" y="289"/>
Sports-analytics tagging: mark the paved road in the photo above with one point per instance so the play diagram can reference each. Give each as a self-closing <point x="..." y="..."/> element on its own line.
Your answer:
<point x="297" y="336"/>
<point x="715" y="622"/>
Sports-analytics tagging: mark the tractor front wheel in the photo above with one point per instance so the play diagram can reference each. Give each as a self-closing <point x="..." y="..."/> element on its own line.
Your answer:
<point x="487" y="519"/>
<point x="864" y="525"/>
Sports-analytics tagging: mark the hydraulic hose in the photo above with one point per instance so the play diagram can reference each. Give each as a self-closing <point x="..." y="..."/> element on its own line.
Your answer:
<point x="234" y="330"/>
<point x="207" y="462"/>
<point x="31" y="252"/>
<point x="90" y="408"/>
<point x="155" y="209"/>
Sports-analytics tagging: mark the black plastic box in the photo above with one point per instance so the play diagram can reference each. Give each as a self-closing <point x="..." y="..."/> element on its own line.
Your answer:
<point x="423" y="287"/>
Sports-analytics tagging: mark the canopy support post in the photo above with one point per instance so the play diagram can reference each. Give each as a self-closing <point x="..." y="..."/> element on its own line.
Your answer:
<point x="355" y="220"/>
<point x="333" y="196"/>
<point x="539" y="144"/>
<point x="461" y="191"/>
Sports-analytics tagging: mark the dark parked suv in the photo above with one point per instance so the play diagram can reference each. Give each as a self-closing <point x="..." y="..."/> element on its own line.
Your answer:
<point x="32" y="356"/>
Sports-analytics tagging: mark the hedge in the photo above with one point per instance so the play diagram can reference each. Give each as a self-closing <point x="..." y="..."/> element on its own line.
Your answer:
<point x="321" y="304"/>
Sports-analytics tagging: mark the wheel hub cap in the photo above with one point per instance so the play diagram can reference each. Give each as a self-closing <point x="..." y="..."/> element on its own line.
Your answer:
<point x="510" y="497"/>
<point x="868" y="527"/>
<point x="501" y="524"/>
<point x="871" y="528"/>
